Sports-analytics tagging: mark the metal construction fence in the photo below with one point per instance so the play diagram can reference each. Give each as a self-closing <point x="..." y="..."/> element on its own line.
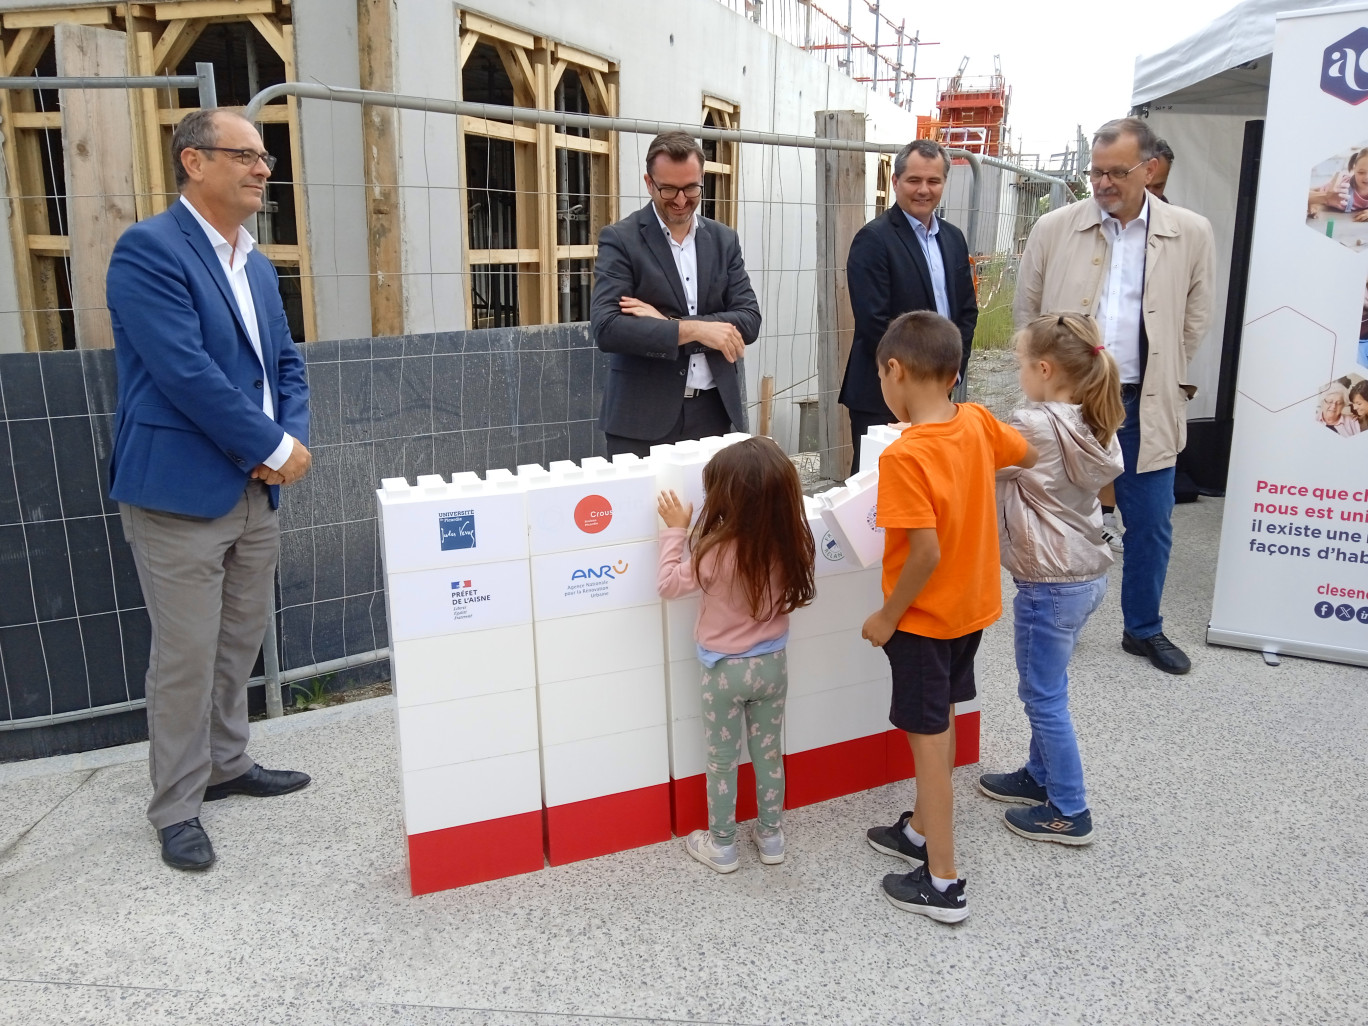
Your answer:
<point x="468" y="381"/>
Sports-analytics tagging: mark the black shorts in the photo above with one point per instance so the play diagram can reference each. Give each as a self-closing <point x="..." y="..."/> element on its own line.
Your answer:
<point x="929" y="676"/>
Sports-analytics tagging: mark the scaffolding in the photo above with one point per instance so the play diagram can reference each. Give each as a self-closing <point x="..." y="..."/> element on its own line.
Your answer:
<point x="971" y="114"/>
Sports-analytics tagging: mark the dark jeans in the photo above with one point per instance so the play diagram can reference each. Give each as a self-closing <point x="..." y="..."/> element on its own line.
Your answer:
<point x="1146" y="504"/>
<point x="703" y="416"/>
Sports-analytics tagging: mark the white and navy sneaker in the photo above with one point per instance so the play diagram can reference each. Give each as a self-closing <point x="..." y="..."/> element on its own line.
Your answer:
<point x="1046" y="823"/>
<point x="892" y="841"/>
<point x="914" y="892"/>
<point x="1019" y="788"/>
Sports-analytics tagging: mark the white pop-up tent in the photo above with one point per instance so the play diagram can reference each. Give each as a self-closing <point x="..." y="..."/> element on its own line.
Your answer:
<point x="1200" y="96"/>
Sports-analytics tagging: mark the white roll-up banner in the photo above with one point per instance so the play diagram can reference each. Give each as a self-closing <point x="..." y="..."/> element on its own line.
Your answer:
<point x="1292" y="576"/>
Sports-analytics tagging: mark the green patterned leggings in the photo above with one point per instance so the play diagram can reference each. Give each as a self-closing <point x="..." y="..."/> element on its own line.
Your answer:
<point x="745" y="695"/>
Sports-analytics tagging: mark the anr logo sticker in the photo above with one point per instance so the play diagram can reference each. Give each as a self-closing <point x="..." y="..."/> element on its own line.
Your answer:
<point x="593" y="513"/>
<point x="1344" y="68"/>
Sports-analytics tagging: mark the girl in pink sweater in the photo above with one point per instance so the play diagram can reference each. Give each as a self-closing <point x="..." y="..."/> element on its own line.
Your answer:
<point x="752" y="557"/>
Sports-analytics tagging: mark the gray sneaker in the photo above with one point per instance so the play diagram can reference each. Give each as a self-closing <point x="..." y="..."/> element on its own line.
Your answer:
<point x="771" y="848"/>
<point x="914" y="892"/>
<point x="721" y="858"/>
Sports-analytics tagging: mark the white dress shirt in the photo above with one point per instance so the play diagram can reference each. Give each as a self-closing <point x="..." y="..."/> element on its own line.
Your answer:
<point x="233" y="260"/>
<point x="1123" y="292"/>
<point x="686" y="262"/>
<point x="935" y="262"/>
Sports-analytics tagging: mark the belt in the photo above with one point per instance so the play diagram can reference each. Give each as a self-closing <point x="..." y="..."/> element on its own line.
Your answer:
<point x="1129" y="393"/>
<point x="694" y="393"/>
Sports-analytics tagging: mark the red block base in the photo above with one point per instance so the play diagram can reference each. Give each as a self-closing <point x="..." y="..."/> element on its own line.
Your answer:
<point x="600" y="826"/>
<point x="866" y="762"/>
<point x="460" y="855"/>
<point x="689" y="800"/>
<point x="900" y="765"/>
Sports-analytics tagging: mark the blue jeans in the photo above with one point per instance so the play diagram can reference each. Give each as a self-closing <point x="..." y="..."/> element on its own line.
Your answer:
<point x="1049" y="618"/>
<point x="1146" y="503"/>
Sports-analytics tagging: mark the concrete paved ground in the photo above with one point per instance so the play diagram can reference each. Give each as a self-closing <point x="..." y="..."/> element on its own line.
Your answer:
<point x="1229" y="883"/>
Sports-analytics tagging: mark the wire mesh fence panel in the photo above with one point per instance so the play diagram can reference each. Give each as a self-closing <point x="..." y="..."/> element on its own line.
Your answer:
<point x="485" y="360"/>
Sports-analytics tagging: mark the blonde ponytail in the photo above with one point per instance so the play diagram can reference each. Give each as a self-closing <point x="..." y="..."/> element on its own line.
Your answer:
<point x="1073" y="343"/>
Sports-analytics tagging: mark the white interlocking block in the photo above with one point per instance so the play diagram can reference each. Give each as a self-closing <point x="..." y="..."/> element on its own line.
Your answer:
<point x="843" y="603"/>
<point x="972" y="705"/>
<point x="467" y="729"/>
<point x="451" y="600"/>
<point x="454" y="666"/>
<point x="679" y="467"/>
<point x="841" y="714"/>
<point x="471" y="792"/>
<point x="593" y="505"/>
<point x="684" y="679"/>
<point x="681" y="619"/>
<point x="599" y="766"/>
<point x="876" y="440"/>
<point x="610" y="703"/>
<point x="850" y="512"/>
<point x="832" y="661"/>
<point x="595" y="580"/>
<point x="598" y="643"/>
<point x="830" y="558"/>
<point x="437" y="523"/>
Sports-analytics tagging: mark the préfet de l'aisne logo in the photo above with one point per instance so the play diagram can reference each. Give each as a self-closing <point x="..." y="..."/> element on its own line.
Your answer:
<point x="593" y="513"/>
<point x="457" y="530"/>
<point x="1344" y="67"/>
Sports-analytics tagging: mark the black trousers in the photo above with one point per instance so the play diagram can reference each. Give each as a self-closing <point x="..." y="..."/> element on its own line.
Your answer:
<point x="860" y="422"/>
<point x="701" y="417"/>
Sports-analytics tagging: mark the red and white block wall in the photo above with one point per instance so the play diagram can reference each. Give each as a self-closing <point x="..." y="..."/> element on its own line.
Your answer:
<point x="458" y="595"/>
<point x="600" y="656"/>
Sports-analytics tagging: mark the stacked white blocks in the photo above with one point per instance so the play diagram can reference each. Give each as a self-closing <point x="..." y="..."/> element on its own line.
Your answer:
<point x="876" y="440"/>
<point x="600" y="655"/>
<point x="460" y="613"/>
<point x="838" y="682"/>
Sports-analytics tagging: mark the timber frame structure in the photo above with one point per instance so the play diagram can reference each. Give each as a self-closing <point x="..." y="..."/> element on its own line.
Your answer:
<point x="546" y="254"/>
<point x="158" y="38"/>
<point x="722" y="166"/>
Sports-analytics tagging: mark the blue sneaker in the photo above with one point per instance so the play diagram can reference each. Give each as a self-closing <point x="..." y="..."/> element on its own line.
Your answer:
<point x="1018" y="788"/>
<point x="1046" y="823"/>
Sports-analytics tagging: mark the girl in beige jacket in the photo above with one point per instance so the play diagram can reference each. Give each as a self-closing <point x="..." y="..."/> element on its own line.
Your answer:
<point x="1050" y="535"/>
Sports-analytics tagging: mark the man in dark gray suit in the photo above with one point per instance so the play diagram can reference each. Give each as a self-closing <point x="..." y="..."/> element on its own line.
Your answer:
<point x="905" y="259"/>
<point x="674" y="308"/>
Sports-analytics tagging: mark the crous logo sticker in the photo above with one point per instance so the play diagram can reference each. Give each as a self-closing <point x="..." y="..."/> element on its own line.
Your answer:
<point x="1344" y="68"/>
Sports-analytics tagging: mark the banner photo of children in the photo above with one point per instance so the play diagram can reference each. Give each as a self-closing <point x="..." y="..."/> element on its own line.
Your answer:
<point x="1363" y="331"/>
<point x="1343" y="405"/>
<point x="1337" y="203"/>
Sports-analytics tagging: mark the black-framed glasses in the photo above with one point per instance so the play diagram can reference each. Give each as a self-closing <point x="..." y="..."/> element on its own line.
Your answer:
<point x="1115" y="176"/>
<point x="247" y="158"/>
<point x="669" y="192"/>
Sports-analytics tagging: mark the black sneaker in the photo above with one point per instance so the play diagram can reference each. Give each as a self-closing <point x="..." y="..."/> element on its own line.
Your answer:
<point x="892" y="841"/>
<point x="1046" y="823"/>
<point x="1018" y="788"/>
<point x="914" y="892"/>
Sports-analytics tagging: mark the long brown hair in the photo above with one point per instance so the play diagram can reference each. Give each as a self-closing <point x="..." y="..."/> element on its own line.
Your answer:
<point x="753" y="502"/>
<point x="1073" y="343"/>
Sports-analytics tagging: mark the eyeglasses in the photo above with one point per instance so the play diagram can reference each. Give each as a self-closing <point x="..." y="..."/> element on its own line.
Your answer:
<point x="247" y="158"/>
<point x="1115" y="176"/>
<point x="669" y="192"/>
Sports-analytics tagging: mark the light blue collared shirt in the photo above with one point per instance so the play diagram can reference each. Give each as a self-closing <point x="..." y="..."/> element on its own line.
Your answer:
<point x="934" y="261"/>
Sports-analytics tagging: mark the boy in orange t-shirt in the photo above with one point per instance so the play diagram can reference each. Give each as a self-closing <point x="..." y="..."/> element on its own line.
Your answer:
<point x="941" y="586"/>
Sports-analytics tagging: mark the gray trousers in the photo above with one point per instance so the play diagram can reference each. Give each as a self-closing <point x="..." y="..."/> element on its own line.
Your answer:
<point x="208" y="586"/>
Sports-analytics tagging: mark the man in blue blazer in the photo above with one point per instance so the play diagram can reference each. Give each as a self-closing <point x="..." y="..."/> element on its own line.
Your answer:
<point x="905" y="259"/>
<point x="213" y="418"/>
<point x="674" y="308"/>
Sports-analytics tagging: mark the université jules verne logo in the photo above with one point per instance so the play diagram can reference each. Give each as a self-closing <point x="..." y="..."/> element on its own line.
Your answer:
<point x="457" y="529"/>
<point x="1344" y="68"/>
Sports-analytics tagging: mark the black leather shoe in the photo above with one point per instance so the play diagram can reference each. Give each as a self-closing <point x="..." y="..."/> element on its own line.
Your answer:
<point x="259" y="783"/>
<point x="185" y="845"/>
<point x="1158" y="650"/>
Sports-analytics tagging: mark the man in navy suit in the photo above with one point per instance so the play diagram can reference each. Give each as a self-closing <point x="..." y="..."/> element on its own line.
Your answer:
<point x="905" y="259"/>
<point x="213" y="418"/>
